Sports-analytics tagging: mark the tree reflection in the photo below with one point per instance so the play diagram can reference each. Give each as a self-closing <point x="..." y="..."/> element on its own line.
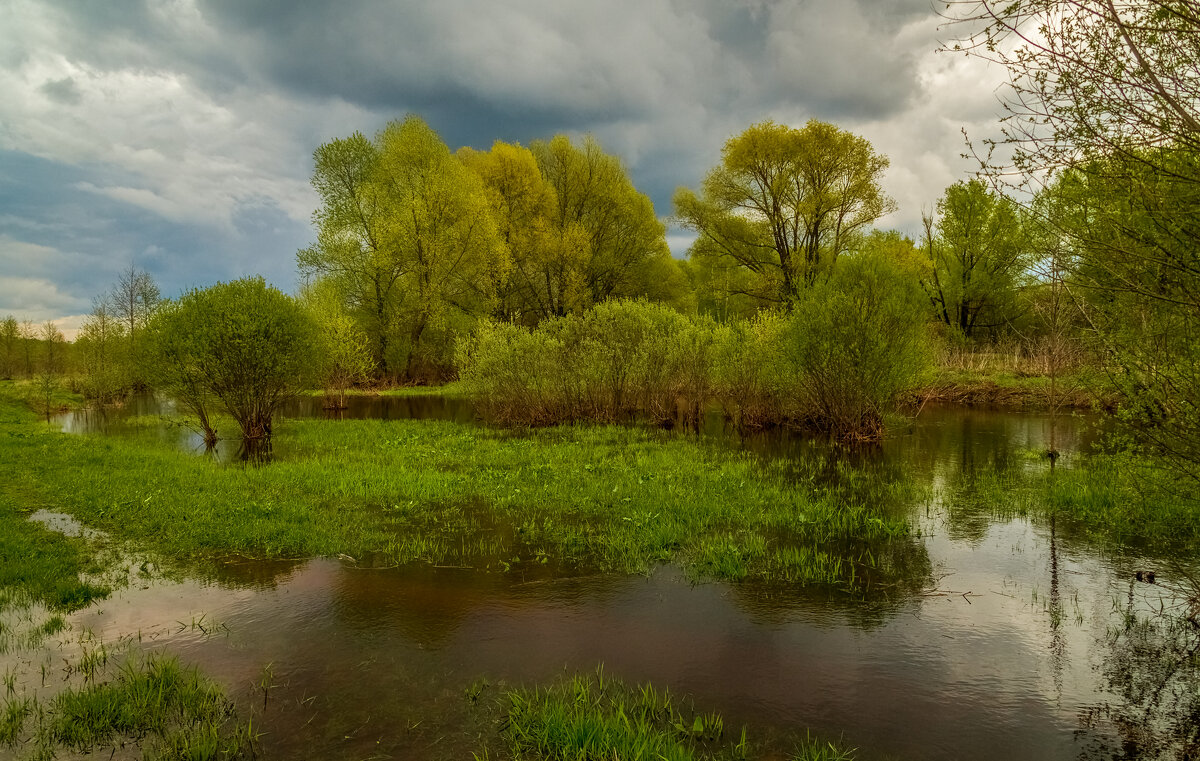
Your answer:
<point x="1152" y="666"/>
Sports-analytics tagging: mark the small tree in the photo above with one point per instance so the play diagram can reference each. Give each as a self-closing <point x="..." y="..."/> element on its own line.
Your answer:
<point x="854" y="342"/>
<point x="29" y="337"/>
<point x="10" y="337"/>
<point x="132" y="301"/>
<point x="243" y="345"/>
<point x="345" y="348"/>
<point x="100" y="347"/>
<point x="51" y="368"/>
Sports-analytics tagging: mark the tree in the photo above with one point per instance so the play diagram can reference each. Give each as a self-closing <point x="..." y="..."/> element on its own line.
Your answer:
<point x="1104" y="115"/>
<point x="525" y="209"/>
<point x="979" y="256"/>
<point x="345" y="349"/>
<point x="445" y="231"/>
<point x="856" y="340"/>
<point x="406" y="231"/>
<point x="29" y="337"/>
<point x="51" y="367"/>
<point x="782" y="206"/>
<point x="608" y="242"/>
<point x="243" y="345"/>
<point x="132" y="301"/>
<point x="99" y="341"/>
<point x="10" y="337"/>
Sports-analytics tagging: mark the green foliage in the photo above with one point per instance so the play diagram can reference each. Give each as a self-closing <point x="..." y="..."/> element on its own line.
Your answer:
<point x="104" y="354"/>
<point x="979" y="257"/>
<point x="243" y="345"/>
<point x="780" y="209"/>
<point x="609" y="241"/>
<point x="614" y="361"/>
<point x="10" y="338"/>
<point x="406" y="232"/>
<point x="853" y="344"/>
<point x="837" y="363"/>
<point x="345" y="350"/>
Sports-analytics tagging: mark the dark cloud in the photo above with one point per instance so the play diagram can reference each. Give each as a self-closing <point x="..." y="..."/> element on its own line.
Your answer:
<point x="63" y="90"/>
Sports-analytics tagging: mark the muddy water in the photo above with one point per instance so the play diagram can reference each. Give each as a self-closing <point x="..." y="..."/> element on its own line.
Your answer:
<point x="1009" y="654"/>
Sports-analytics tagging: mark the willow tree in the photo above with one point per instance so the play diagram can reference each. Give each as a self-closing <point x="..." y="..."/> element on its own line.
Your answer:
<point x="608" y="241"/>
<point x="782" y="206"/>
<point x="243" y="346"/>
<point x="407" y="232"/>
<point x="524" y="207"/>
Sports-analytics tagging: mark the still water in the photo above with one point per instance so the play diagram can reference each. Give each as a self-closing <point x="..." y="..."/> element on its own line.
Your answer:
<point x="1014" y="649"/>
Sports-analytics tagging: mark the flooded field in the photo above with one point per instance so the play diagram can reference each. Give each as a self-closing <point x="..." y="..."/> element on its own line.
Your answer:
<point x="1018" y="644"/>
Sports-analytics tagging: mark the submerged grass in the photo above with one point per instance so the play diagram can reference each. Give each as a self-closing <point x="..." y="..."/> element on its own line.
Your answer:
<point x="607" y="498"/>
<point x="169" y="711"/>
<point x="594" y="717"/>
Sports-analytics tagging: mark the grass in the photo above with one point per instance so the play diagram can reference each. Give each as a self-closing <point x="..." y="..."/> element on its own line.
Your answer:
<point x="388" y="492"/>
<point x="1107" y="499"/>
<point x="593" y="717"/>
<point x="170" y="711"/>
<point x="597" y="718"/>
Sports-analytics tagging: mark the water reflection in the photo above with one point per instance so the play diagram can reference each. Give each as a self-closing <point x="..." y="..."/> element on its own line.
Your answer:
<point x="998" y="638"/>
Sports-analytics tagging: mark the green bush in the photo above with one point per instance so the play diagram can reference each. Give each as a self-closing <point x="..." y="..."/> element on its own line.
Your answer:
<point x="243" y="345"/>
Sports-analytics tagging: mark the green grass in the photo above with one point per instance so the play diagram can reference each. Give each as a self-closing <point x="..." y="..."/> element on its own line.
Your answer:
<point x="596" y="718"/>
<point x="1107" y="499"/>
<point x="171" y="712"/>
<point x="385" y="492"/>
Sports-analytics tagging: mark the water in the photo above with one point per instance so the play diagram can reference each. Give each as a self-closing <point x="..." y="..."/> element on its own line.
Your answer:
<point x="1015" y="651"/>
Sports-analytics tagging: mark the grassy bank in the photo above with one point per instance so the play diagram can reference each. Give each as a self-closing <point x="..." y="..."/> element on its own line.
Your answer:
<point x="592" y="498"/>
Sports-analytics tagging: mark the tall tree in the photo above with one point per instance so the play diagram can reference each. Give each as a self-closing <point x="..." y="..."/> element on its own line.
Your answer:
<point x="979" y="256"/>
<point x="354" y="244"/>
<point x="609" y="242"/>
<point x="782" y="206"/>
<point x="406" y="231"/>
<point x="525" y="208"/>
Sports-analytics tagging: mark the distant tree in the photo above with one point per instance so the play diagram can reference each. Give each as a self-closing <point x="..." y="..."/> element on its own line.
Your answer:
<point x="101" y="344"/>
<point x="29" y="339"/>
<point x="242" y="345"/>
<point x="132" y="301"/>
<point x="979" y="254"/>
<point x="51" y="368"/>
<point x="10" y="338"/>
<point x="609" y="242"/>
<point x="781" y="207"/>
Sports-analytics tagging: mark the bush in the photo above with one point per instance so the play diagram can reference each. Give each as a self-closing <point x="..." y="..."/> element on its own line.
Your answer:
<point x="242" y="345"/>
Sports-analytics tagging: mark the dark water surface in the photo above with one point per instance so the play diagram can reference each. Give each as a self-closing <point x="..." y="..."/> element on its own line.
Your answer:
<point x="1013" y="652"/>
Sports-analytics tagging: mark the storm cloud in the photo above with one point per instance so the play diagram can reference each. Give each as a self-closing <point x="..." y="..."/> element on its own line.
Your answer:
<point x="178" y="134"/>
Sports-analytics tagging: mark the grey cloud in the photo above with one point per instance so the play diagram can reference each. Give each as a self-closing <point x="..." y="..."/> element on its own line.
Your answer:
<point x="63" y="90"/>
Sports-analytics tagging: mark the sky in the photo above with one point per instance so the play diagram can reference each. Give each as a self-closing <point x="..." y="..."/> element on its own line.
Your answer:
<point x="176" y="136"/>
